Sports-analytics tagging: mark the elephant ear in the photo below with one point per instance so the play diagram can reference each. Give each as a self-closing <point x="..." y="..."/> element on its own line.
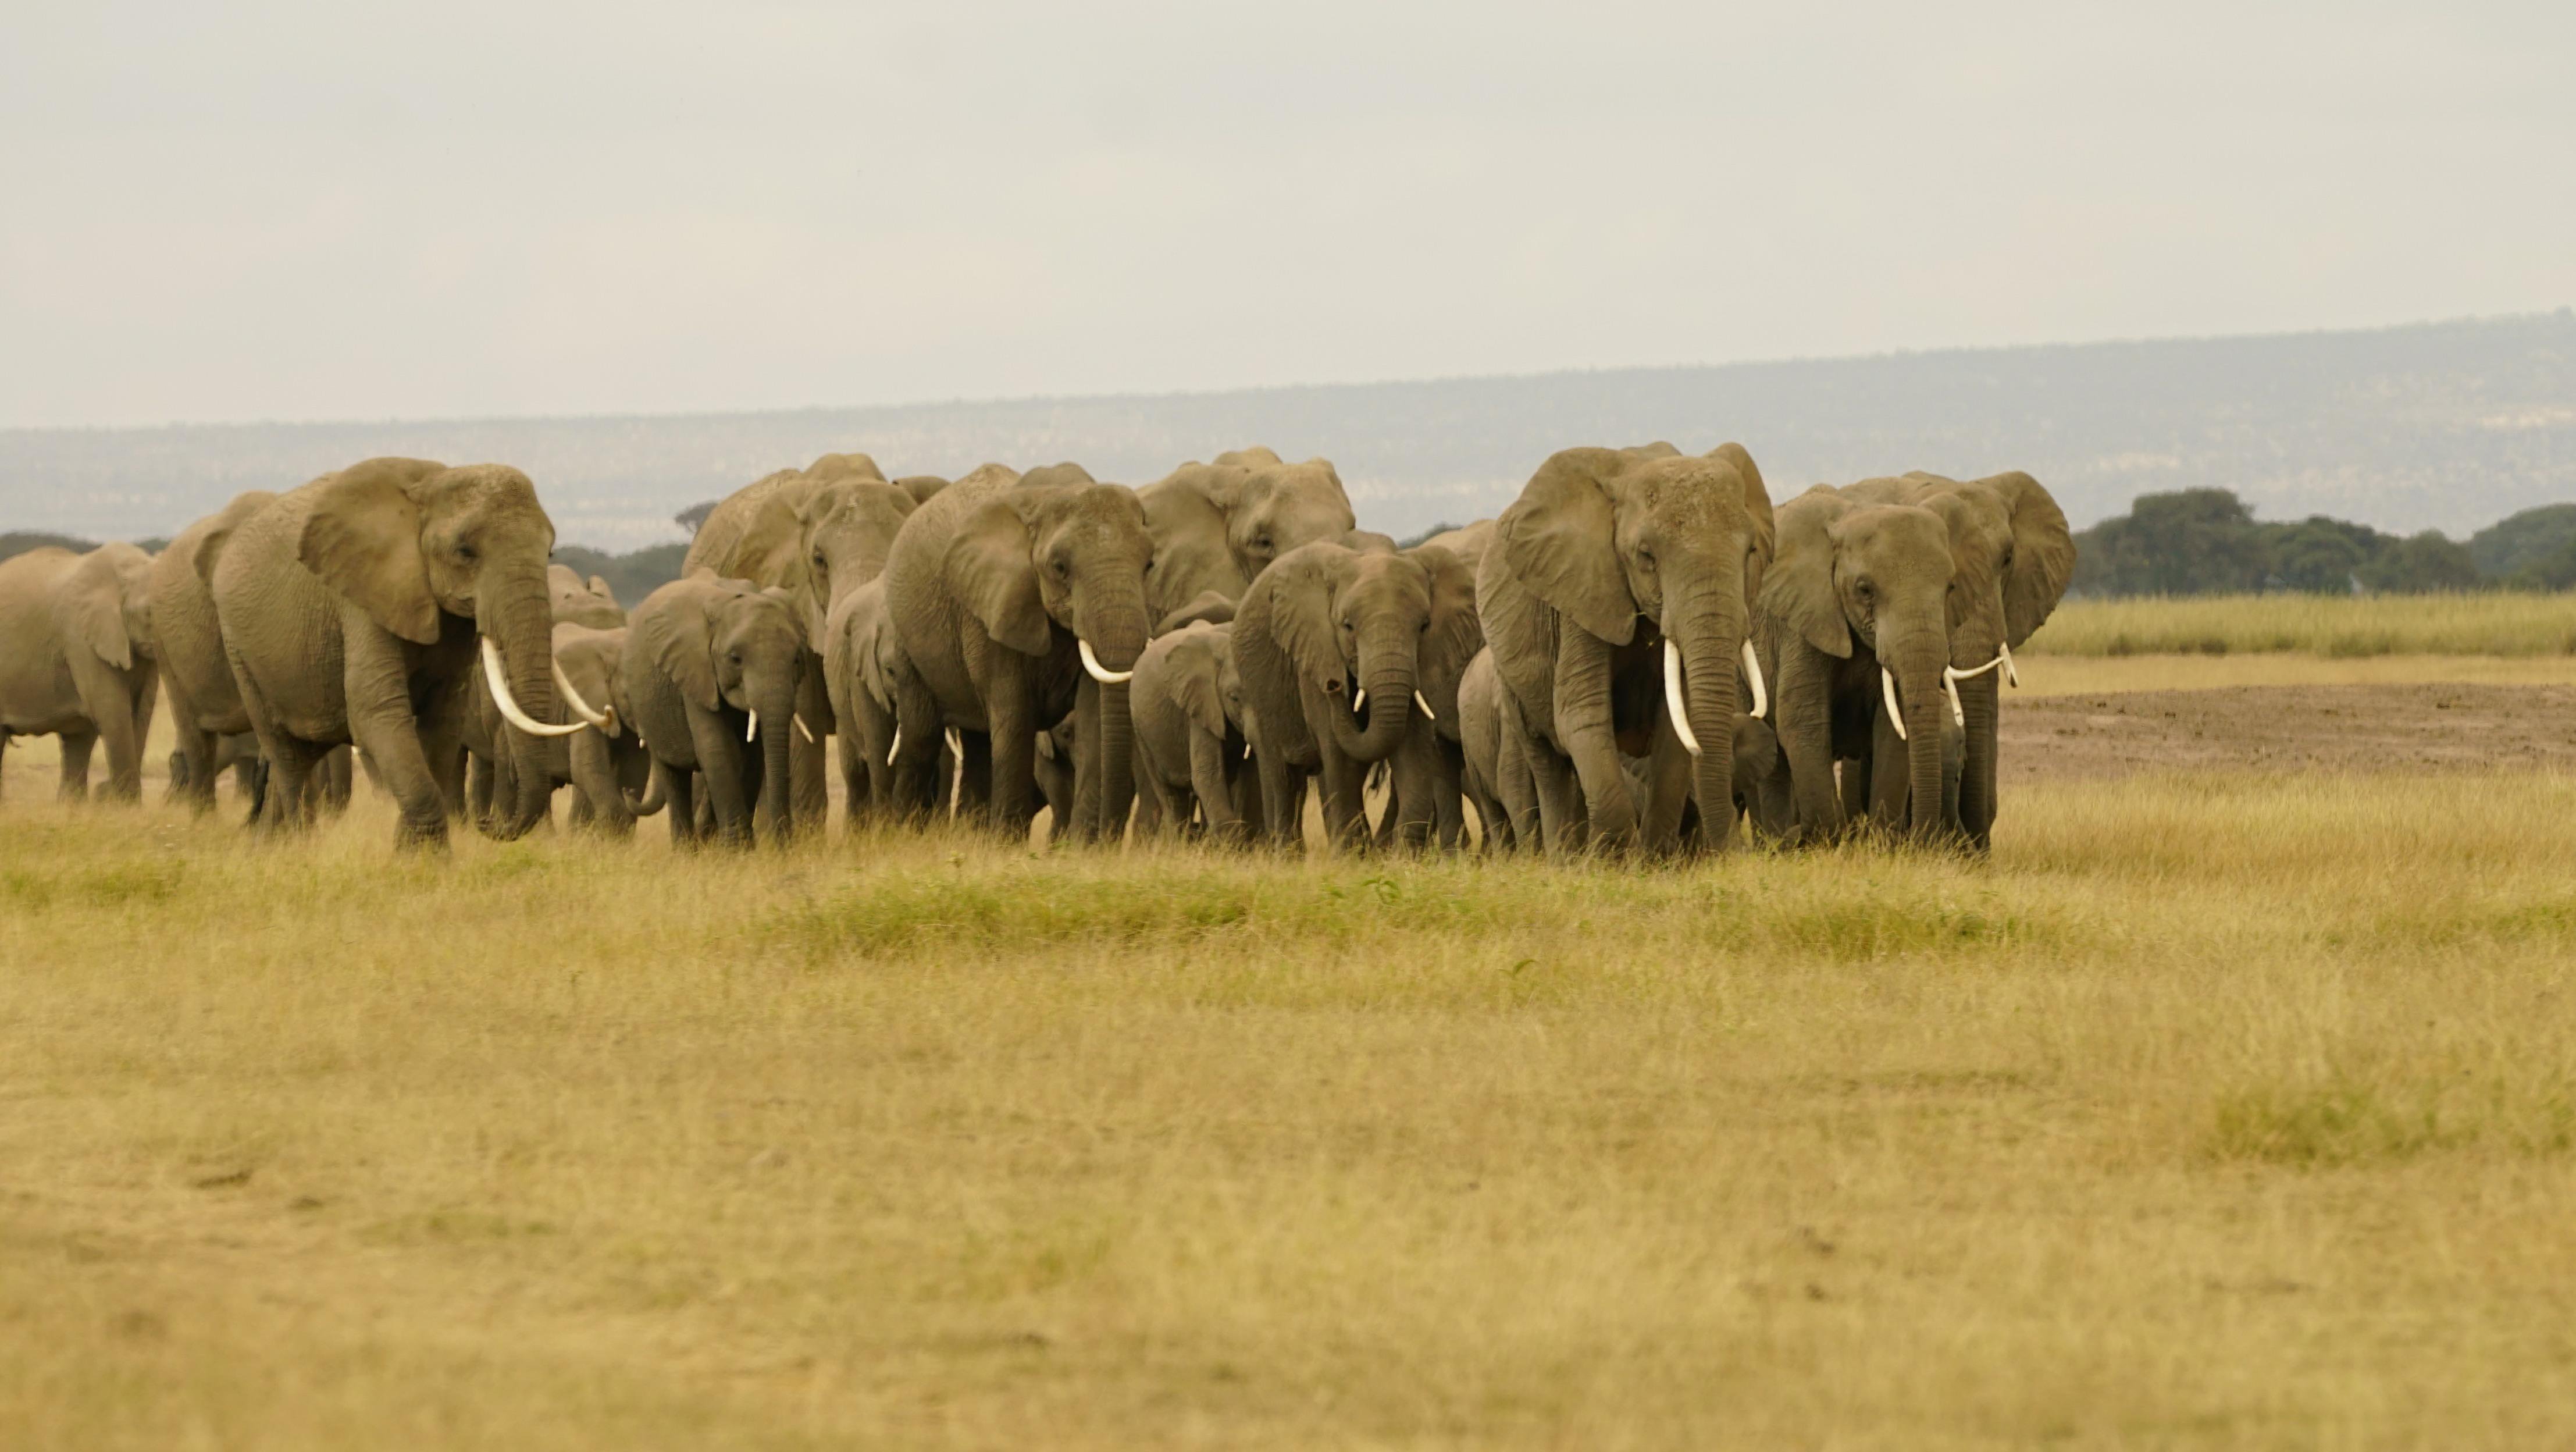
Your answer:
<point x="89" y="612"/>
<point x="990" y="571"/>
<point x="1456" y="632"/>
<point x="1557" y="538"/>
<point x="1303" y="583"/>
<point x="2043" y="555"/>
<point x="1197" y="686"/>
<point x="1757" y="508"/>
<point x="599" y="587"/>
<point x="363" y="539"/>
<point x="678" y="637"/>
<point x="1798" y="588"/>
<point x="771" y="548"/>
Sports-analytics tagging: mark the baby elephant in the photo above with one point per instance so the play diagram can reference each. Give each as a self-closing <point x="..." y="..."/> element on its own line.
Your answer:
<point x="711" y="669"/>
<point x="1187" y="704"/>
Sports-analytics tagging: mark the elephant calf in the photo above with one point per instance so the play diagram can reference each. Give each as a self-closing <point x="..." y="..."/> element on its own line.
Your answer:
<point x="709" y="665"/>
<point x="1187" y="702"/>
<point x="77" y="659"/>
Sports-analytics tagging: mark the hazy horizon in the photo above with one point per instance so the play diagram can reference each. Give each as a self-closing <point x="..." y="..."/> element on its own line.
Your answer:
<point x="304" y="212"/>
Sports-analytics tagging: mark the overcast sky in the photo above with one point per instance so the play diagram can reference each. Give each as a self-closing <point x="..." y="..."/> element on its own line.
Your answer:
<point x="236" y="211"/>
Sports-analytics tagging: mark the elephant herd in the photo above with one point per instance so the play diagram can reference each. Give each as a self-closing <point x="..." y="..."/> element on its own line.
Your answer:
<point x="1635" y="654"/>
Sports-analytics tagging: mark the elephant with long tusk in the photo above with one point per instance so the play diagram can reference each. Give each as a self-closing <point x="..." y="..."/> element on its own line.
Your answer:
<point x="415" y="578"/>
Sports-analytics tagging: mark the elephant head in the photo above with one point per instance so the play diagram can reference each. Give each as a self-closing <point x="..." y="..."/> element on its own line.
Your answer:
<point x="1879" y="575"/>
<point x="744" y="648"/>
<point x="1216" y="526"/>
<point x="847" y="529"/>
<point x="1610" y="537"/>
<point x="103" y="607"/>
<point x="1069" y="555"/>
<point x="606" y="762"/>
<point x="1455" y="634"/>
<point x="1344" y="616"/>
<point x="583" y="602"/>
<point x="412" y="543"/>
<point x="2012" y="555"/>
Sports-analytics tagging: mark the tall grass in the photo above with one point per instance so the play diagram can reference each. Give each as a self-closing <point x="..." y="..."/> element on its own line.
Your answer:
<point x="2497" y="624"/>
<point x="2212" y="1111"/>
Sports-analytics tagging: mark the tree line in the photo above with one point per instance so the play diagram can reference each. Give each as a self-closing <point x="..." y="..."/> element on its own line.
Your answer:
<point x="2208" y="542"/>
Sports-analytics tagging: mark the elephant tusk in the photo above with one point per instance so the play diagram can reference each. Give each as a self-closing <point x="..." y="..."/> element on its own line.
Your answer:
<point x="1359" y="699"/>
<point x="1950" y="677"/>
<point x="956" y="773"/>
<point x="1427" y="712"/>
<point x="580" y="707"/>
<point x="2011" y="672"/>
<point x="1753" y="673"/>
<point x="499" y="681"/>
<point x="1046" y="745"/>
<point x="895" y="746"/>
<point x="1099" y="672"/>
<point x="804" y="730"/>
<point x="751" y="728"/>
<point x="1673" y="696"/>
<point x="1887" y="688"/>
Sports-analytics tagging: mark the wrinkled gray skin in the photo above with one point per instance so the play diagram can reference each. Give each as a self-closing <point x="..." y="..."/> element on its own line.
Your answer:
<point x="607" y="768"/>
<point x="1322" y="622"/>
<point x="2012" y="556"/>
<point x="990" y="585"/>
<point x="1216" y="526"/>
<point x="701" y="655"/>
<point x="1607" y="554"/>
<point x="1859" y="586"/>
<point x="761" y="533"/>
<point x="76" y="659"/>
<point x="1190" y="742"/>
<point x="196" y="680"/>
<point x="351" y="609"/>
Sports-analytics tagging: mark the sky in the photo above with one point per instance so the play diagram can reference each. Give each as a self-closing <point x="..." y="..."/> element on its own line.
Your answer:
<point x="253" y="211"/>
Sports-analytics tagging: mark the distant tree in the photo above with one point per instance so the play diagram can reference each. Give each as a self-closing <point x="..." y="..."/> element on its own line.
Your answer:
<point x="630" y="577"/>
<point x="2555" y="570"/>
<point x="2421" y="564"/>
<point x="1441" y="528"/>
<point x="18" y="542"/>
<point x="695" y="515"/>
<point x="2318" y="556"/>
<point x="2190" y="542"/>
<point x="2504" y="548"/>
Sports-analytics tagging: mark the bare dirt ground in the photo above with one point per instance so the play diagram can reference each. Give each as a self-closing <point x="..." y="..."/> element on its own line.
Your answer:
<point x="2413" y="728"/>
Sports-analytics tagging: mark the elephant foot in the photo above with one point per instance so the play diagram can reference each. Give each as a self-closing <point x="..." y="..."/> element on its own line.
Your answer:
<point x="421" y="836"/>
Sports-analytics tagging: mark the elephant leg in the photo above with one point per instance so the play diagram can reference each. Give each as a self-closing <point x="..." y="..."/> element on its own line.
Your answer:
<point x="1086" y="822"/>
<point x="1449" y="795"/>
<point x="479" y="787"/>
<point x="1346" y="824"/>
<point x="726" y="814"/>
<point x="1562" y="821"/>
<point x="1280" y="812"/>
<point x="76" y="747"/>
<point x="1582" y="699"/>
<point x="859" y="801"/>
<point x="1802" y="715"/>
<point x="1668" y="791"/>
<point x="380" y="719"/>
<point x="1413" y="809"/>
<point x="1208" y="786"/>
<point x="679" y="789"/>
<point x="339" y="778"/>
<point x="1515" y="789"/>
<point x="1886" y="783"/>
<point x="808" y="766"/>
<point x="1010" y="712"/>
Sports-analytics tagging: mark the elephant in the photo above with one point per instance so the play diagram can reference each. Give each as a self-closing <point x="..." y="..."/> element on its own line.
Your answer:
<point x="328" y="788"/>
<point x="1191" y="741"/>
<point x="1434" y="747"/>
<point x="1320" y="618"/>
<point x="583" y="602"/>
<point x="1215" y="526"/>
<point x="764" y="533"/>
<point x="606" y="764"/>
<point x="196" y="680"/>
<point x="77" y="659"/>
<point x="706" y="660"/>
<point x="353" y="610"/>
<point x="1019" y="601"/>
<point x="488" y="767"/>
<point x="875" y="693"/>
<point x="1856" y="614"/>
<point x="1616" y="595"/>
<point x="2013" y="556"/>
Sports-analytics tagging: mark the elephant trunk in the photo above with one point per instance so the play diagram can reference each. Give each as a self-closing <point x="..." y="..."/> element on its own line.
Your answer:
<point x="1979" y="700"/>
<point x="651" y="802"/>
<point x="1711" y="643"/>
<point x="774" y="819"/>
<point x="1389" y="674"/>
<point x="518" y="618"/>
<point x="1117" y="759"/>
<point x="1918" y="677"/>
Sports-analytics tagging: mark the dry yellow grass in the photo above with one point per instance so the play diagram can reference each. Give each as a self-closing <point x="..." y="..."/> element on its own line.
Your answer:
<point x="2210" y="1112"/>
<point x="2086" y="675"/>
<point x="2325" y="625"/>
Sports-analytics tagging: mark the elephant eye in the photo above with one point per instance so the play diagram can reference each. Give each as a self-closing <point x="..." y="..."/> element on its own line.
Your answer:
<point x="465" y="552"/>
<point x="1865" y="590"/>
<point x="1646" y="558"/>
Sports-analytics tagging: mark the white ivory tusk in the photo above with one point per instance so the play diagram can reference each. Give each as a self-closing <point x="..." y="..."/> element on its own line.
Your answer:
<point x="1887" y="688"/>
<point x="956" y="773"/>
<point x="1673" y="696"/>
<point x="580" y="707"/>
<point x="894" y="746"/>
<point x="805" y="731"/>
<point x="1359" y="699"/>
<point x="1753" y="672"/>
<point x="494" y="677"/>
<point x="1427" y="712"/>
<point x="1950" y="677"/>
<point x="1099" y="672"/>
<point x="2011" y="673"/>
<point x="751" y="728"/>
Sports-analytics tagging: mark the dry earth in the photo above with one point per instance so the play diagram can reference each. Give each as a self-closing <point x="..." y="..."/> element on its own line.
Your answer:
<point x="2354" y="728"/>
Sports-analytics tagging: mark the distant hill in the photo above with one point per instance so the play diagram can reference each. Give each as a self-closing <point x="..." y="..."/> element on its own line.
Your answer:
<point x="2447" y="426"/>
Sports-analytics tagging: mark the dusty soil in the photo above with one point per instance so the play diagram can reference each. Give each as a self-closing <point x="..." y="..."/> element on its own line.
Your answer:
<point x="2359" y="728"/>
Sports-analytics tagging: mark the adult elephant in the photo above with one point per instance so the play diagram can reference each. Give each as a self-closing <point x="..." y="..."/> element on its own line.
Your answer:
<point x="196" y="679"/>
<point x="709" y="666"/>
<point x="489" y="772"/>
<point x="1216" y="526"/>
<point x="606" y="766"/>
<point x="354" y="609"/>
<point x="2012" y="556"/>
<point x="1855" y="615"/>
<point x="1616" y="596"/>
<point x="76" y="659"/>
<point x="1018" y="602"/>
<point x="760" y="534"/>
<point x="1330" y="644"/>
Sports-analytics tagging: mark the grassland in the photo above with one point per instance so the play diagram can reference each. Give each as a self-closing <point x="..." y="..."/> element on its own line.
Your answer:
<point x="2217" y="1111"/>
<point x="2497" y="624"/>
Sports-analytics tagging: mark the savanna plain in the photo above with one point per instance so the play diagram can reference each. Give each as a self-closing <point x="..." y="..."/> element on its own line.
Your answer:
<point x="2223" y="1106"/>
